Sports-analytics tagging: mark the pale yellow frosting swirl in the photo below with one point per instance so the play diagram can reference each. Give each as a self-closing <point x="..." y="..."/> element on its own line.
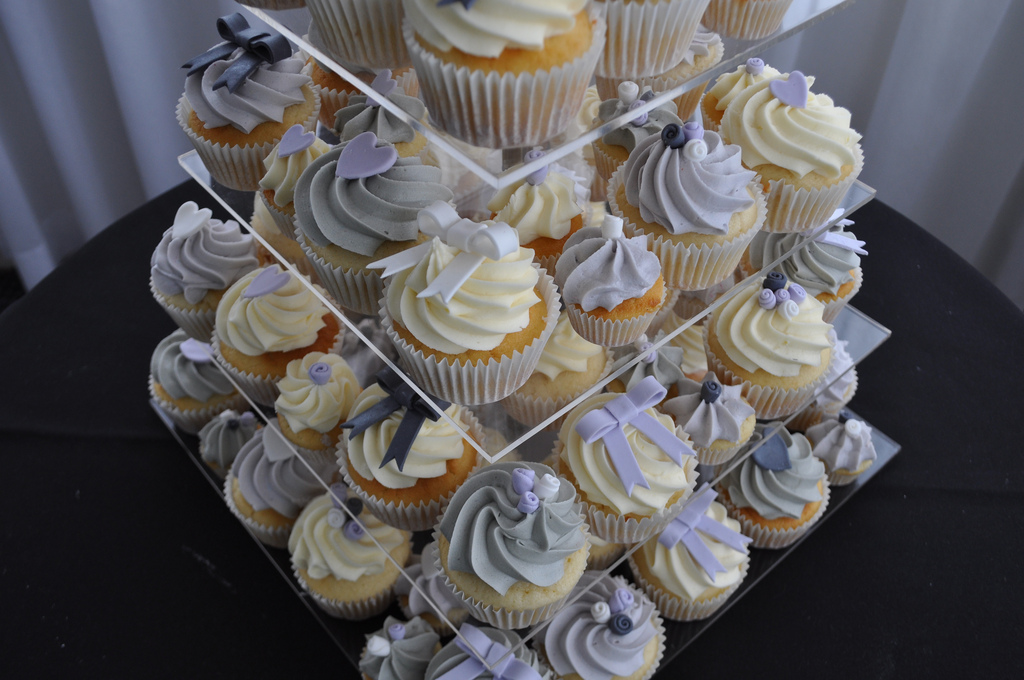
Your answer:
<point x="435" y="444"/>
<point x="535" y="211"/>
<point x="731" y="84"/>
<point x="565" y="351"/>
<point x="322" y="550"/>
<point x="283" y="173"/>
<point x="595" y="474"/>
<point x="493" y="302"/>
<point x="691" y="341"/>
<point x="305" y="405"/>
<point x="287" y="319"/>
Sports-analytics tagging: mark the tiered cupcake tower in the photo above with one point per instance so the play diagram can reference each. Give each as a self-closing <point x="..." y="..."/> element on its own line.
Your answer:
<point x="353" y="462"/>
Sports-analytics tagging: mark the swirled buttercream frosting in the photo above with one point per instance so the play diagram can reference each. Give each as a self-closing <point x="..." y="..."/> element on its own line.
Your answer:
<point x="818" y="267"/>
<point x="594" y="271"/>
<point x="222" y="438"/>
<point x="360" y="116"/>
<point x="411" y="646"/>
<point x="488" y="27"/>
<point x="271" y="475"/>
<point x="664" y="363"/>
<point x="543" y="210"/>
<point x="285" y="319"/>
<point x="708" y="421"/>
<point x="361" y="214"/>
<point x="729" y="85"/>
<point x="263" y="97"/>
<point x="631" y="134"/>
<point x="283" y="173"/>
<point x="199" y="254"/>
<point x="777" y="493"/>
<point x="182" y="377"/>
<point x="688" y="194"/>
<point x="842" y="445"/>
<point x="575" y="642"/>
<point x="315" y="397"/>
<point x="324" y="550"/>
<point x="493" y="302"/>
<point x="430" y="579"/>
<point x="489" y="535"/>
<point x="565" y="351"/>
<point x="435" y="444"/>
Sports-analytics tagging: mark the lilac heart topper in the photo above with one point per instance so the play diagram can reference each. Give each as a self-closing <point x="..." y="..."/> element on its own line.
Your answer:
<point x="266" y="282"/>
<point x="383" y="84"/>
<point x="296" y="139"/>
<point x="195" y="351"/>
<point x="773" y="455"/>
<point x="361" y="158"/>
<point x="791" y="92"/>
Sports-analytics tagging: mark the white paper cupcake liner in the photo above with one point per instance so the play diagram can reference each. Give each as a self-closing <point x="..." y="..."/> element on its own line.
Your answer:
<point x="284" y="222"/>
<point x="606" y="166"/>
<point x="694" y="267"/>
<point x="610" y="333"/>
<point x="482" y="382"/>
<point x="357" y="610"/>
<point x="422" y="516"/>
<point x="833" y="308"/>
<point x="675" y="608"/>
<point x="365" y="32"/>
<point x="649" y="37"/>
<point x="532" y="411"/>
<point x="716" y="456"/>
<point x="409" y="83"/>
<point x="745" y="19"/>
<point x="196" y="322"/>
<point x="795" y="210"/>
<point x="774" y="539"/>
<point x="602" y="562"/>
<point x="358" y="290"/>
<point x="192" y="420"/>
<point x="275" y="537"/>
<point x="547" y="263"/>
<point x="496" y="110"/>
<point x="236" y="167"/>
<point x="845" y="477"/>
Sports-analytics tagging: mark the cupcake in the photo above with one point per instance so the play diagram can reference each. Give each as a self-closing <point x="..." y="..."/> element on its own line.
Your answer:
<point x="357" y="204"/>
<point x="187" y="384"/>
<point x="746" y="19"/>
<point x="234" y="114"/>
<point x="603" y="553"/>
<point x="663" y="364"/>
<point x="469" y="316"/>
<point x="778" y="492"/>
<point x="611" y="285"/>
<point x="197" y="259"/>
<point x="399" y="650"/>
<point x="689" y="193"/>
<point x="645" y="38"/>
<point x="265" y="320"/>
<point x="269" y="484"/>
<point x="500" y="74"/>
<point x="612" y="150"/>
<point x="718" y="419"/>
<point x="316" y="396"/>
<point x="339" y="560"/>
<point x="512" y="543"/>
<point x="366" y="32"/>
<point x="844" y="445"/>
<point x="365" y="114"/>
<point x="632" y="466"/>
<point x="801" y="146"/>
<point x="334" y="89"/>
<point x="728" y="85"/>
<point x="840" y="386"/>
<point x="568" y="367"/>
<point x="429" y="592"/>
<point x="610" y="632"/>
<point x="543" y="209"/>
<point x="696" y="564"/>
<point x="285" y="164"/>
<point x="828" y="267"/>
<point x="490" y="643"/>
<point x="402" y="458"/>
<point x="770" y="340"/>
<point x="222" y="438"/>
<point x="264" y="224"/>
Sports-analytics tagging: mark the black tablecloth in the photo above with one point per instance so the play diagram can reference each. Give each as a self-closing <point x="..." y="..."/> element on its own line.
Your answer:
<point x="117" y="560"/>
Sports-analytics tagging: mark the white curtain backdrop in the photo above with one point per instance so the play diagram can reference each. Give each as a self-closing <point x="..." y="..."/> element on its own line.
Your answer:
<point x="87" y="128"/>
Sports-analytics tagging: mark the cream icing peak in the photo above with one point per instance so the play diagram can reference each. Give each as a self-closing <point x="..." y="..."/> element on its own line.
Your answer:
<point x="565" y="351"/>
<point x="283" y="173"/>
<point x="307" y="405"/>
<point x="543" y="210"/>
<point x="594" y="271"/>
<point x="729" y="85"/>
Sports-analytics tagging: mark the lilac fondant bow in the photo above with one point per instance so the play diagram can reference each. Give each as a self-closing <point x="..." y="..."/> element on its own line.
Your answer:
<point x="399" y="395"/>
<point x="477" y="242"/>
<point x="507" y="668"/>
<point x="606" y="423"/>
<point x="259" y="45"/>
<point x="692" y="519"/>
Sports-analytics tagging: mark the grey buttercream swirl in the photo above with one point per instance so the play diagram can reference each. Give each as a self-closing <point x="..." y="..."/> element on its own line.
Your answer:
<point x="431" y="580"/>
<point x="211" y="258"/>
<point x="408" y="658"/>
<point x="181" y="377"/>
<point x="706" y="422"/>
<point x="263" y="97"/>
<point x="839" y="448"/>
<point x="597" y="272"/>
<point x="684" y="195"/>
<point x="220" y="442"/>
<point x="491" y="538"/>
<point x="271" y="475"/>
<point x="361" y="214"/>
<point x="358" y="117"/>
<point x="451" y="655"/>
<point x="575" y="642"/>
<point x="629" y="135"/>
<point x="666" y="367"/>
<point x="818" y="267"/>
<point x="774" y="494"/>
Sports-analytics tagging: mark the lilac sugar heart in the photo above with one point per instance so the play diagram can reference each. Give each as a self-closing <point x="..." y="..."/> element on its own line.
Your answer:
<point x="197" y="352"/>
<point x="268" y="281"/>
<point x="361" y="158"/>
<point x="383" y="84"/>
<point x="791" y="92"/>
<point x="773" y="455"/>
<point x="296" y="139"/>
<point x="189" y="219"/>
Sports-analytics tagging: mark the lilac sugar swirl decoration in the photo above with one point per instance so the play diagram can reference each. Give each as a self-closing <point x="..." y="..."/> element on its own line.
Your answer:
<point x="261" y="46"/>
<point x="532" y="490"/>
<point x="320" y="373"/>
<point x="683" y="529"/>
<point x="536" y="177"/>
<point x="507" y="668"/>
<point x="754" y="66"/>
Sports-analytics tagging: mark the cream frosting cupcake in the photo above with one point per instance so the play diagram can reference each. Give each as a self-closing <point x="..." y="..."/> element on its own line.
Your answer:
<point x="728" y="85"/>
<point x="284" y="165"/>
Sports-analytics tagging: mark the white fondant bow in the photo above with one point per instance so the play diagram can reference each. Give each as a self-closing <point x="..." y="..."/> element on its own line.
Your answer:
<point x="477" y="242"/>
<point x="833" y="238"/>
